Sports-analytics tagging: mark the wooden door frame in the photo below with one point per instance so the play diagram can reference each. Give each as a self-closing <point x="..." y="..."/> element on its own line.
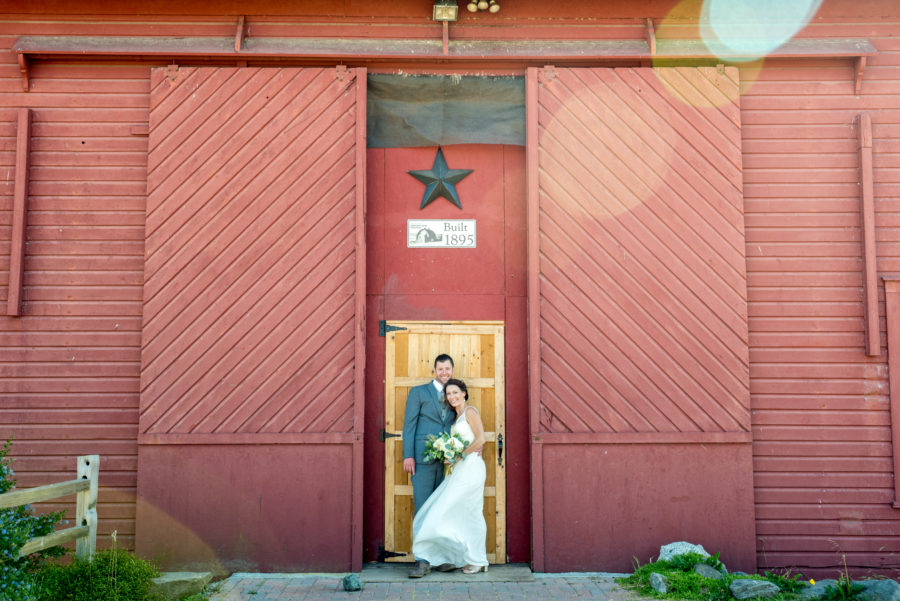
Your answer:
<point x="359" y="324"/>
<point x="533" y="315"/>
<point x="499" y="387"/>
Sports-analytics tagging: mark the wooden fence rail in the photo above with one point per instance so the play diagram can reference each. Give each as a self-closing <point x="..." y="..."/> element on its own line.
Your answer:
<point x="84" y="533"/>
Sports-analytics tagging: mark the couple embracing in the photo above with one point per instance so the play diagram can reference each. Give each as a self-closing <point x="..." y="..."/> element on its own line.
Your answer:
<point x="449" y="530"/>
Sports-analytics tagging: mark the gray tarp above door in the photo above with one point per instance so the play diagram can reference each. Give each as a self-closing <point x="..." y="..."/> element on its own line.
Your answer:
<point x="431" y="110"/>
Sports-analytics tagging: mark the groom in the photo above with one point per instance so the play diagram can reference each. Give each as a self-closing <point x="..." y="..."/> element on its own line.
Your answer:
<point x="427" y="412"/>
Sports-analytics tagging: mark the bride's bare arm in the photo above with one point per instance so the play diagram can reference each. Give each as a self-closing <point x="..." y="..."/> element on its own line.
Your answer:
<point x="474" y="420"/>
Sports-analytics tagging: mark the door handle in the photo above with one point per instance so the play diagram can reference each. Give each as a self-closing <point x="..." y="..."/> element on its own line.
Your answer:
<point x="386" y="435"/>
<point x="500" y="450"/>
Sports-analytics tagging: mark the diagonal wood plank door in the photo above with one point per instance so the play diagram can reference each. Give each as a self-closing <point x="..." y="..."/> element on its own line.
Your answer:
<point x="637" y="252"/>
<point x="254" y="264"/>
<point x="477" y="349"/>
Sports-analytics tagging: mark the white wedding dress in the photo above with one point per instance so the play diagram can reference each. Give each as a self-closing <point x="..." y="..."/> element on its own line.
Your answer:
<point x="450" y="526"/>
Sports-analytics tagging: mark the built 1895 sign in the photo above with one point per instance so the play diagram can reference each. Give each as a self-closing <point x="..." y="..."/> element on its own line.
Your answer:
<point x="440" y="233"/>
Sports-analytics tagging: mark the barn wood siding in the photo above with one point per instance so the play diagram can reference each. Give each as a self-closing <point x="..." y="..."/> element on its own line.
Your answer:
<point x="643" y="317"/>
<point x="820" y="417"/>
<point x="821" y="420"/>
<point x="70" y="366"/>
<point x="249" y="279"/>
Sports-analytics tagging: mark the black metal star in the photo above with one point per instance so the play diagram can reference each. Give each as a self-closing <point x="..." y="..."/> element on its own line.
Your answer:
<point x="439" y="181"/>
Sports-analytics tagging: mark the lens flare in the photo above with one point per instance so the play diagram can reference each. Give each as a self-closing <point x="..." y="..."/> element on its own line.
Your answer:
<point x="745" y="30"/>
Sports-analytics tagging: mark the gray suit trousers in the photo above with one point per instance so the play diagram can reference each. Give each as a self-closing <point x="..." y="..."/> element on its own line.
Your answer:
<point x="427" y="478"/>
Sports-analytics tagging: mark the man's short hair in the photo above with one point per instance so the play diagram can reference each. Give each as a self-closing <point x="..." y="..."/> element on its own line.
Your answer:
<point x="443" y="357"/>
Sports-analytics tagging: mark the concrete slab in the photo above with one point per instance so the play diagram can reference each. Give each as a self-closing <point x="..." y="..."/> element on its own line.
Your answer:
<point x="397" y="572"/>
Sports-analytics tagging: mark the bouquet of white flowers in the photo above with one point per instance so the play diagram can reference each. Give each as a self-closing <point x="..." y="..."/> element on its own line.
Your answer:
<point x="446" y="448"/>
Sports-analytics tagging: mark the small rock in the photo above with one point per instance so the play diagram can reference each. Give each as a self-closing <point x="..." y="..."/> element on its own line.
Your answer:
<point x="667" y="552"/>
<point x="747" y="588"/>
<point x="815" y="591"/>
<point x="739" y="573"/>
<point x="707" y="571"/>
<point x="659" y="583"/>
<point x="175" y="585"/>
<point x="879" y="590"/>
<point x="351" y="582"/>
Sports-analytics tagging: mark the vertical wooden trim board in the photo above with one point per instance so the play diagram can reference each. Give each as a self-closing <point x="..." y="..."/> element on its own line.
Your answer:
<point x="20" y="208"/>
<point x="892" y="313"/>
<point x="534" y="315"/>
<point x="360" y="322"/>
<point x="870" y="257"/>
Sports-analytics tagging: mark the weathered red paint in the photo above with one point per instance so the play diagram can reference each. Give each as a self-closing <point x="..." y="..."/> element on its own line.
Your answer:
<point x="607" y="504"/>
<point x="288" y="507"/>
<point x="253" y="304"/>
<point x="484" y="283"/>
<point x="822" y="446"/>
<point x="637" y="218"/>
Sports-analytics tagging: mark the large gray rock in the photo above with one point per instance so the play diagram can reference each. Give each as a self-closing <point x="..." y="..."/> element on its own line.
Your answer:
<point x="747" y="588"/>
<point x="815" y="591"/>
<point x="659" y="583"/>
<point x="879" y="590"/>
<point x="667" y="552"/>
<point x="708" y="571"/>
<point x="351" y="582"/>
<point x="175" y="585"/>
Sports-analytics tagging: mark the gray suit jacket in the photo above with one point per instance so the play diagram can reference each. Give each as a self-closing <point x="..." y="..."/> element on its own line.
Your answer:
<point x="423" y="417"/>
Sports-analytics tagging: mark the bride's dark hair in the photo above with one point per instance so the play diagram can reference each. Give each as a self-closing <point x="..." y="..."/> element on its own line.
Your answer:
<point x="458" y="383"/>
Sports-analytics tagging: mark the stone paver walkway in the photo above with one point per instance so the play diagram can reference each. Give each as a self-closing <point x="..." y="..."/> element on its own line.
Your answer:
<point x="327" y="587"/>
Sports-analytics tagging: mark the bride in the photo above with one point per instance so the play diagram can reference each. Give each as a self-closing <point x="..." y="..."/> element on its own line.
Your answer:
<point x="449" y="530"/>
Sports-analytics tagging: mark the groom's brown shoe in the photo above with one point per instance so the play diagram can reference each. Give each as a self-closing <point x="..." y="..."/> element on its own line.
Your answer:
<point x="419" y="569"/>
<point x="445" y="567"/>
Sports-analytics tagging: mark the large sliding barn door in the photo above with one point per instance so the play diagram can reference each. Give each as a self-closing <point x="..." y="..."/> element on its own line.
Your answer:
<point x="252" y="355"/>
<point x="639" y="366"/>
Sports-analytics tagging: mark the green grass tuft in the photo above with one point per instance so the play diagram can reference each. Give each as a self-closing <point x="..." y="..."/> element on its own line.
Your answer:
<point x="687" y="585"/>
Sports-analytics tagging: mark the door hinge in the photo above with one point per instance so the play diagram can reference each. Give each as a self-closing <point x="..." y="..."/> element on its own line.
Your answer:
<point x="385" y="435"/>
<point x="384" y="328"/>
<point x="384" y="554"/>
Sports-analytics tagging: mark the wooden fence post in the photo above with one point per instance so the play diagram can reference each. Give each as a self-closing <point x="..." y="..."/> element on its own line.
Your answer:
<point x="86" y="506"/>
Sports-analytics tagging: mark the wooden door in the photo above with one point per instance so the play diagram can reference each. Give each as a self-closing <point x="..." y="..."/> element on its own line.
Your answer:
<point x="637" y="306"/>
<point x="253" y="341"/>
<point x="478" y="353"/>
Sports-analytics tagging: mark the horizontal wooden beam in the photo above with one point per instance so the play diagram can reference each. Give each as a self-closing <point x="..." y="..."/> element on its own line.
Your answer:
<point x="406" y="490"/>
<point x="582" y="438"/>
<point x="470" y="382"/>
<point x="252" y="438"/>
<point x="365" y="49"/>
<point x="43" y="493"/>
<point x="59" y="537"/>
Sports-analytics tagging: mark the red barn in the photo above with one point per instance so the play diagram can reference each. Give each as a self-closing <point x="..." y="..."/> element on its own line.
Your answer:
<point x="671" y="278"/>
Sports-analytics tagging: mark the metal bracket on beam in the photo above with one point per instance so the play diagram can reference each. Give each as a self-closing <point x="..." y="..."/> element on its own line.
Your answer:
<point x="239" y="34"/>
<point x="651" y="37"/>
<point x="23" y="67"/>
<point x="858" y="70"/>
<point x="548" y="74"/>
